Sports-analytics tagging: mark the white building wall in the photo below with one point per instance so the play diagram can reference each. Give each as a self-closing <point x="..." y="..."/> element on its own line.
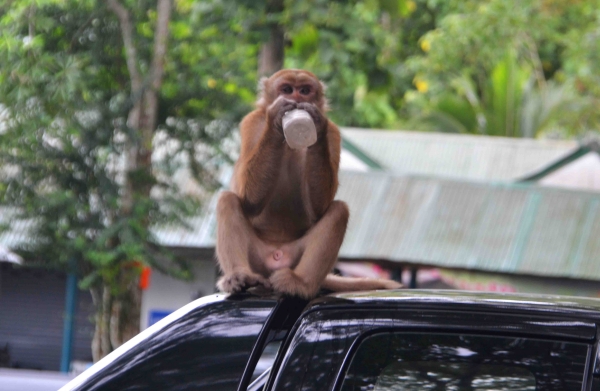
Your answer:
<point x="166" y="294"/>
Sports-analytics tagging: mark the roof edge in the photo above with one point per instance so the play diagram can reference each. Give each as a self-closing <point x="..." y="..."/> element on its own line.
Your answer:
<point x="360" y="154"/>
<point x="582" y="150"/>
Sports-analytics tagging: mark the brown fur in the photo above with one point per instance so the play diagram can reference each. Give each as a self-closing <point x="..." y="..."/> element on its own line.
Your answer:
<point x="279" y="226"/>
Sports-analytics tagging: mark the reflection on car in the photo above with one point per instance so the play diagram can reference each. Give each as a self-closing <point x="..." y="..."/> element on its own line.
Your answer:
<point x="385" y="340"/>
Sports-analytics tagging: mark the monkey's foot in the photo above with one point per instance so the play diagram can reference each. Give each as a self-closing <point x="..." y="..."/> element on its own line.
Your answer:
<point x="288" y="282"/>
<point x="241" y="280"/>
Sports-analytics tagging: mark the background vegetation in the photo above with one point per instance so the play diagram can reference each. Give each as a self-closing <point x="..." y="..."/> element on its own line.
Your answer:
<point x="103" y="101"/>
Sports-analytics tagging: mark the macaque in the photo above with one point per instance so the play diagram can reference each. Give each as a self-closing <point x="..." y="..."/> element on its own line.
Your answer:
<point x="279" y="226"/>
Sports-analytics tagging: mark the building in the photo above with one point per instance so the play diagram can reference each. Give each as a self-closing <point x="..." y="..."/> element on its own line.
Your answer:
<point x="489" y="213"/>
<point x="473" y="212"/>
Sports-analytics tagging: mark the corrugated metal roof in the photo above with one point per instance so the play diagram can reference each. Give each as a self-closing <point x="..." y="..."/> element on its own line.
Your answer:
<point x="496" y="227"/>
<point x="506" y="228"/>
<point x="457" y="156"/>
<point x="201" y="232"/>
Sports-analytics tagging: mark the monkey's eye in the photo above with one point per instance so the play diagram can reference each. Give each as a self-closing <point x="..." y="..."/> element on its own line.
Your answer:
<point x="287" y="89"/>
<point x="305" y="90"/>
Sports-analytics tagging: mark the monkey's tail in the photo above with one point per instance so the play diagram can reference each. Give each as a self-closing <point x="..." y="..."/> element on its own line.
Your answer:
<point x="347" y="284"/>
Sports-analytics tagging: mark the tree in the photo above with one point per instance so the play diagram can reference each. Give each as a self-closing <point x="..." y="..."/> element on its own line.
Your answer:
<point x="499" y="60"/>
<point x="360" y="49"/>
<point x="89" y="91"/>
<point x="271" y="55"/>
<point x="104" y="101"/>
<point x="513" y="103"/>
<point x="354" y="48"/>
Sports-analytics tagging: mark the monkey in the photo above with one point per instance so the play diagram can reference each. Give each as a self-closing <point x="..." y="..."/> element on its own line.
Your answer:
<point x="278" y="225"/>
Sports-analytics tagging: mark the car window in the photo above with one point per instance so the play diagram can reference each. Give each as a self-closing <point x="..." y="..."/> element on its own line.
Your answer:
<point x="401" y="361"/>
<point x="259" y="383"/>
<point x="207" y="349"/>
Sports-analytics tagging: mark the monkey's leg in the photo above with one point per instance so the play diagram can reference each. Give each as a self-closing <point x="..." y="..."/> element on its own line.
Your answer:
<point x="235" y="241"/>
<point x="321" y="246"/>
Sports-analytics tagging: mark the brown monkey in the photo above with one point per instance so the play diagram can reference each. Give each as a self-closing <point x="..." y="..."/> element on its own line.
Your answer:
<point x="279" y="226"/>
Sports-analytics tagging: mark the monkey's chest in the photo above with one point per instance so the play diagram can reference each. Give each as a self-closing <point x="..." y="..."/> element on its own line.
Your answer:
<point x="288" y="213"/>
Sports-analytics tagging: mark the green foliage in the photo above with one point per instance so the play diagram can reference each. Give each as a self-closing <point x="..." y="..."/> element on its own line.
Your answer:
<point x="356" y="48"/>
<point x="64" y="94"/>
<point x="486" y="67"/>
<point x="512" y="105"/>
<point x="507" y="83"/>
<point x="518" y="66"/>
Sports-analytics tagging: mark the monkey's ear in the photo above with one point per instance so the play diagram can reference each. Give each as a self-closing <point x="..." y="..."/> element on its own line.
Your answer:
<point x="323" y="86"/>
<point x="262" y="88"/>
<point x="262" y="84"/>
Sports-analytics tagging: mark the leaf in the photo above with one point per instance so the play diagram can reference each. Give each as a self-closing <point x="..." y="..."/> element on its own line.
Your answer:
<point x="305" y="41"/>
<point x="507" y="81"/>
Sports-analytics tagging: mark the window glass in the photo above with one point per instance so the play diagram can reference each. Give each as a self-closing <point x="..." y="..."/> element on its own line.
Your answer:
<point x="207" y="349"/>
<point x="411" y="361"/>
<point x="266" y="360"/>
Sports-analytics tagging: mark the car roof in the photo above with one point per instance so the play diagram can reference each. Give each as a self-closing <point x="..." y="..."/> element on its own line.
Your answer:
<point x="463" y="300"/>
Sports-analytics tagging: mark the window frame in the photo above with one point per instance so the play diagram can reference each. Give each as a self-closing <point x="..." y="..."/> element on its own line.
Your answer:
<point x="356" y="344"/>
<point x="447" y="318"/>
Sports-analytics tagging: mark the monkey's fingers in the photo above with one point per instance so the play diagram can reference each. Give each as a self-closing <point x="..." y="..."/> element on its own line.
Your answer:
<point x="241" y="280"/>
<point x="256" y="279"/>
<point x="287" y="282"/>
<point x="278" y="116"/>
<point x="230" y="284"/>
<point x="281" y="106"/>
<point x="316" y="114"/>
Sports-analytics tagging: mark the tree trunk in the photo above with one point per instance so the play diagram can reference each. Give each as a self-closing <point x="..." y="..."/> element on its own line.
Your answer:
<point x="101" y="341"/>
<point x="272" y="52"/>
<point x="117" y="318"/>
<point x="125" y="316"/>
<point x="119" y="307"/>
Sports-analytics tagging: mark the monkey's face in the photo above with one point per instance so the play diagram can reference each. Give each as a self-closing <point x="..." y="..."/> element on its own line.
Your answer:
<point x="297" y="85"/>
<point x="299" y="89"/>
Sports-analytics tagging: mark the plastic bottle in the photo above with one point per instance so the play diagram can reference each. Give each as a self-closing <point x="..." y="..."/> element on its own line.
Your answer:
<point x="299" y="129"/>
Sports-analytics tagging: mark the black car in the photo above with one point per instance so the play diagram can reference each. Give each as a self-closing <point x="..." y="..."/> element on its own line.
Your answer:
<point x="384" y="340"/>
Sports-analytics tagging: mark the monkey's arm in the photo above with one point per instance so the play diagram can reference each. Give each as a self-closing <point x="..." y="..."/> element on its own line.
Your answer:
<point x="259" y="164"/>
<point x="322" y="165"/>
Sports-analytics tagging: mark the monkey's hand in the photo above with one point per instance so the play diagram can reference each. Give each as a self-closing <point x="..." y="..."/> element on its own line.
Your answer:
<point x="238" y="281"/>
<point x="277" y="110"/>
<point x="317" y="116"/>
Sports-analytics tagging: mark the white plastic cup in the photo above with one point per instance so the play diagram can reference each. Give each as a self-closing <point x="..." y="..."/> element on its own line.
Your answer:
<point x="299" y="129"/>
